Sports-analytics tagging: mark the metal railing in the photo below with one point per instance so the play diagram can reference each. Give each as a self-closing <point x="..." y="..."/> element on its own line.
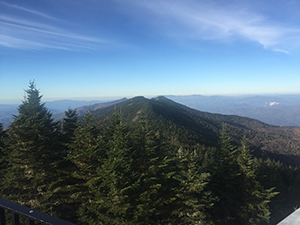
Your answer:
<point x="31" y="215"/>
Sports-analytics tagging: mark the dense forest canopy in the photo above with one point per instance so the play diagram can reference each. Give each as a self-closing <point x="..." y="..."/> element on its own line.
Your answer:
<point x="158" y="165"/>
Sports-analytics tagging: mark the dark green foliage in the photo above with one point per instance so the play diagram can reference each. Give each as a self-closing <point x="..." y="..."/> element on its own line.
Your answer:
<point x="3" y="156"/>
<point x="241" y="199"/>
<point x="155" y="184"/>
<point x="194" y="193"/>
<point x="31" y="151"/>
<point x="256" y="199"/>
<point x="225" y="182"/>
<point x="3" y="136"/>
<point x="110" y="184"/>
<point x="86" y="153"/>
<point x="271" y="173"/>
<point x="58" y="197"/>
<point x="69" y="125"/>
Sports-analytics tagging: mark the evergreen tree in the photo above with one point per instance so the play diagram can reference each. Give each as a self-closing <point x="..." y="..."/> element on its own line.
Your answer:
<point x="3" y="156"/>
<point x="225" y="182"/>
<point x="194" y="192"/>
<point x="31" y="151"/>
<point x="254" y="208"/>
<point x="69" y="125"/>
<point x="155" y="190"/>
<point x="241" y="199"/>
<point x="87" y="153"/>
<point x="110" y="187"/>
<point x="60" y="203"/>
<point x="3" y="137"/>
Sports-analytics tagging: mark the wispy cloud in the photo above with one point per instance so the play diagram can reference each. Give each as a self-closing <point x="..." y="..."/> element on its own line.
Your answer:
<point x="209" y="20"/>
<point x="25" y="33"/>
<point x="29" y="11"/>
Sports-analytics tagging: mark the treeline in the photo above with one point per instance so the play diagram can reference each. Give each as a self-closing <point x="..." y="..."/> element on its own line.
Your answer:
<point x="112" y="174"/>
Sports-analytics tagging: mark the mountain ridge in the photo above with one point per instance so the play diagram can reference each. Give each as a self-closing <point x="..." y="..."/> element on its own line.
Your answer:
<point x="191" y="126"/>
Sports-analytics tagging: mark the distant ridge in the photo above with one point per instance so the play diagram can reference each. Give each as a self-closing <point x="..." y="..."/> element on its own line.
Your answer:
<point x="82" y="110"/>
<point x="280" y="110"/>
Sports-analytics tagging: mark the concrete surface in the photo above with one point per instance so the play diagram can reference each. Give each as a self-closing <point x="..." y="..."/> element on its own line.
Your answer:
<point x="292" y="219"/>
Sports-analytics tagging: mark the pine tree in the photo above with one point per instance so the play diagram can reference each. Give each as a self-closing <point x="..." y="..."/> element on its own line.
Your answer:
<point x="32" y="151"/>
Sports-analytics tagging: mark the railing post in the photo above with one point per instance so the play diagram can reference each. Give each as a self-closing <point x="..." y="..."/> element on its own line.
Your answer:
<point x="29" y="221"/>
<point x="15" y="218"/>
<point x="2" y="216"/>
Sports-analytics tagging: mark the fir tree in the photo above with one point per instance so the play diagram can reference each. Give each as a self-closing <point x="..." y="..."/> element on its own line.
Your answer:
<point x="241" y="199"/>
<point x="69" y="125"/>
<point x="155" y="194"/>
<point x="32" y="150"/>
<point x="3" y="156"/>
<point x="111" y="185"/>
<point x="60" y="203"/>
<point x="87" y="153"/>
<point x="254" y="208"/>
<point x="194" y="193"/>
<point x="225" y="182"/>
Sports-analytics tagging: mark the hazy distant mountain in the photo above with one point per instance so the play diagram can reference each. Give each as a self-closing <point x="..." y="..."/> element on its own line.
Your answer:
<point x="281" y="110"/>
<point x="63" y="105"/>
<point x="56" y="107"/>
<point x="6" y="112"/>
<point x="83" y="108"/>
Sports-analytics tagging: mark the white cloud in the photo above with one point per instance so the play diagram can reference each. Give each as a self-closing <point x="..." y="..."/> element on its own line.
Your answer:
<point x="209" y="20"/>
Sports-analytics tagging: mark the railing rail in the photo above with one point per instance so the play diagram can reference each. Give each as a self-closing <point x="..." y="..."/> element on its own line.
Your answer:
<point x="31" y="215"/>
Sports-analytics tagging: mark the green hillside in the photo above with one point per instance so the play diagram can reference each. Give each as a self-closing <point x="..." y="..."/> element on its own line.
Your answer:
<point x="190" y="127"/>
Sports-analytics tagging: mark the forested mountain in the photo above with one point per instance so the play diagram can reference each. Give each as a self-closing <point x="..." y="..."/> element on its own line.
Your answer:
<point x="190" y="126"/>
<point x="148" y="161"/>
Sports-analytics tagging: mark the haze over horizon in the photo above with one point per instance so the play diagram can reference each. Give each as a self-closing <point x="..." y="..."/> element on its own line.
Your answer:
<point x="112" y="49"/>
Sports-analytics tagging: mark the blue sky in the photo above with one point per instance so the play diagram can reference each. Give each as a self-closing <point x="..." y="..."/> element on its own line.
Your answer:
<point x="99" y="49"/>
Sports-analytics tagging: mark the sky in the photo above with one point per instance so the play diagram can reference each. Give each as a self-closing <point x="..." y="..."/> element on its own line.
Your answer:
<point x="107" y="49"/>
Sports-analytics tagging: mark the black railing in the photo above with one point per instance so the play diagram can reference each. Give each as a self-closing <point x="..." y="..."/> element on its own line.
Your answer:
<point x="31" y="215"/>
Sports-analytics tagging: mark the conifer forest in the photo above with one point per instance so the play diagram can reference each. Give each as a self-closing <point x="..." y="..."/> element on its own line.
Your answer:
<point x="106" y="169"/>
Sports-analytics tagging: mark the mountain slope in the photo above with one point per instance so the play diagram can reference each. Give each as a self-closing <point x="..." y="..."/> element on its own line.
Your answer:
<point x="82" y="109"/>
<point x="190" y="127"/>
